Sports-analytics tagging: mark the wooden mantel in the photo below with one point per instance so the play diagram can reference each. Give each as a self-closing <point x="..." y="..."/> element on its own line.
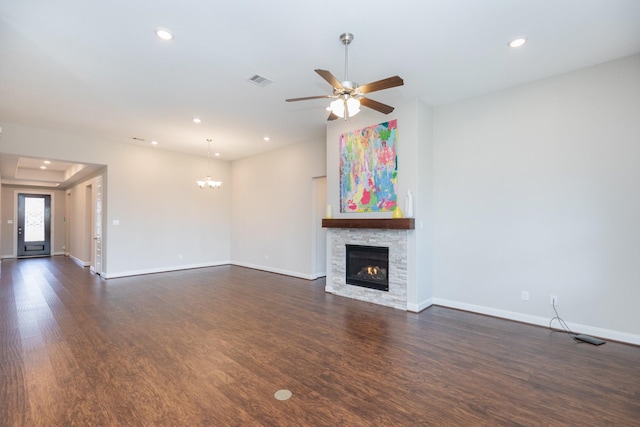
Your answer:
<point x="378" y="223"/>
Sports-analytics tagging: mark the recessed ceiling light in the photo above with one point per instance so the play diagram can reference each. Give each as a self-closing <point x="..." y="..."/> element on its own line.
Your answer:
<point x="217" y="154"/>
<point x="196" y="120"/>
<point x="266" y="138"/>
<point x="154" y="142"/>
<point x="164" y="34"/>
<point x="517" y="42"/>
<point x="47" y="162"/>
<point x="43" y="167"/>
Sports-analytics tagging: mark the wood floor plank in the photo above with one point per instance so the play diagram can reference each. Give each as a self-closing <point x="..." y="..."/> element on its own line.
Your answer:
<point x="211" y="346"/>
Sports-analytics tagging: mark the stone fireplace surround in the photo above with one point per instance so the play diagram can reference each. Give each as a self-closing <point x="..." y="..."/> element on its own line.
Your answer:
<point x="385" y="233"/>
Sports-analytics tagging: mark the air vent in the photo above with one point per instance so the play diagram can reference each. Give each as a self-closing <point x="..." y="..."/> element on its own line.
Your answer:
<point x="260" y="80"/>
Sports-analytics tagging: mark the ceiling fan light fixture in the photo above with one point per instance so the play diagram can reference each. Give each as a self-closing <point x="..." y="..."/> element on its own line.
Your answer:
<point x="347" y="104"/>
<point x="337" y="107"/>
<point x="353" y="106"/>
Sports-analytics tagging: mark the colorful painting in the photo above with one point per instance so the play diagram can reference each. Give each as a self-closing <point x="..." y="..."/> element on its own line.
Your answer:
<point x="369" y="168"/>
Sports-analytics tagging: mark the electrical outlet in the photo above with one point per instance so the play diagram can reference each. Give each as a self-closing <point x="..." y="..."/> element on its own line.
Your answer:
<point x="525" y="296"/>
<point x="553" y="300"/>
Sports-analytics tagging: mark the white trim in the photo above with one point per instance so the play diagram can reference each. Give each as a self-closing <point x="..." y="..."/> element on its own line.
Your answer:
<point x="274" y="270"/>
<point x="417" y="308"/>
<point x="162" y="269"/>
<point x="78" y="261"/>
<point x="540" y="321"/>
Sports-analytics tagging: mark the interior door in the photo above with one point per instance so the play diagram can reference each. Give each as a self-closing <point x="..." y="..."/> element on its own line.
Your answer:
<point x="34" y="225"/>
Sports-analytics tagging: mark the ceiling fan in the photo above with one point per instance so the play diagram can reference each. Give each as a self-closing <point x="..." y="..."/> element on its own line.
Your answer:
<point x="348" y="95"/>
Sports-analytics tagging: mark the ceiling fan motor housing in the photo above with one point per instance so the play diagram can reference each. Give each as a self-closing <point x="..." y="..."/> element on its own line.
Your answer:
<point x="346" y="38"/>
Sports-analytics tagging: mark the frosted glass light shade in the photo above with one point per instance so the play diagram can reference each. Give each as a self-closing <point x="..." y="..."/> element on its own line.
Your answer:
<point x="338" y="106"/>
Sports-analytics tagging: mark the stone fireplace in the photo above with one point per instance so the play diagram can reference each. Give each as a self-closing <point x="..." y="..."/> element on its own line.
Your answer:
<point x="391" y="234"/>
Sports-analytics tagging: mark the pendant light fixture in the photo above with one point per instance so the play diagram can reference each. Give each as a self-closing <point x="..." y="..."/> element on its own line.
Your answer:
<point x="207" y="182"/>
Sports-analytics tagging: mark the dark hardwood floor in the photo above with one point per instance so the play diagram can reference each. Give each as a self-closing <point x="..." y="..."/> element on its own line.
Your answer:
<point x="211" y="346"/>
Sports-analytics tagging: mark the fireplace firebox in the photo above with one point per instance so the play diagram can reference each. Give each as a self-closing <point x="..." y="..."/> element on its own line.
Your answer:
<point x="368" y="266"/>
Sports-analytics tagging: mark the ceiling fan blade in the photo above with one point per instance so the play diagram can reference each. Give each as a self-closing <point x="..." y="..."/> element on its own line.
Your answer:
<point x="331" y="117"/>
<point x="375" y="105"/>
<point x="381" y="84"/>
<point x="308" y="97"/>
<point x="333" y="81"/>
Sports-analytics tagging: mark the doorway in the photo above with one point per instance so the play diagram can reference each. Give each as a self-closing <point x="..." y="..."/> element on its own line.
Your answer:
<point x="34" y="225"/>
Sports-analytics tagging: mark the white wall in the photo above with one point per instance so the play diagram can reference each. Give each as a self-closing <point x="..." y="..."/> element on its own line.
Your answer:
<point x="424" y="207"/>
<point x="152" y="193"/>
<point x="537" y="188"/>
<point x="272" y="209"/>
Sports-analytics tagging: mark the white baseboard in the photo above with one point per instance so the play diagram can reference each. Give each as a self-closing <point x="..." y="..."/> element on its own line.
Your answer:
<point x="80" y="262"/>
<point x="162" y="269"/>
<point x="417" y="308"/>
<point x="274" y="270"/>
<point x="540" y="321"/>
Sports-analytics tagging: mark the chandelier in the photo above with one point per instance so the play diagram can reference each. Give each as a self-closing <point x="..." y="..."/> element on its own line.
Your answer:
<point x="207" y="182"/>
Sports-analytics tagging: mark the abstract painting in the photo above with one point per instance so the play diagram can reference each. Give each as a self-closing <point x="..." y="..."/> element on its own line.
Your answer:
<point x="369" y="168"/>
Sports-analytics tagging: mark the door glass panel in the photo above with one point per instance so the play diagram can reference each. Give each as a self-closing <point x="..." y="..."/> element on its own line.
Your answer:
<point x="33" y="219"/>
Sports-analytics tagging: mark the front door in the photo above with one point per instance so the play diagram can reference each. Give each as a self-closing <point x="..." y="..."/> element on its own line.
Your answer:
<point x="34" y="225"/>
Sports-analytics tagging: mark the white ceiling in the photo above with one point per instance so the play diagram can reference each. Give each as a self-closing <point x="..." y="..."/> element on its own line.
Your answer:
<point x="97" y="69"/>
